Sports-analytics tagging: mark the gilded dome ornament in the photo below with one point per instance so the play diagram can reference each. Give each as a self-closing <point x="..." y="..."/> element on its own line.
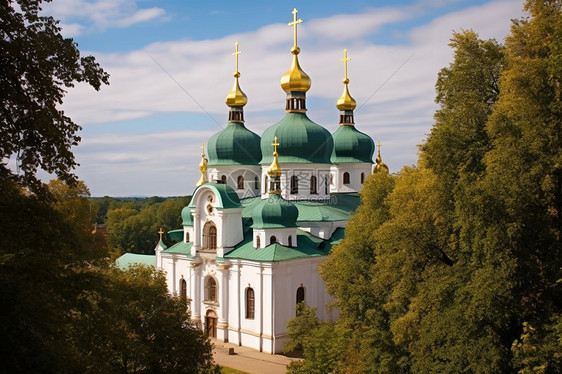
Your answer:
<point x="346" y="102"/>
<point x="236" y="98"/>
<point x="202" y="167"/>
<point x="380" y="166"/>
<point x="295" y="80"/>
<point x="275" y="169"/>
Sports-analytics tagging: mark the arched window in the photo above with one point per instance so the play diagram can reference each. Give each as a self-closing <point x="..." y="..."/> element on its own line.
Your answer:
<point x="346" y="178"/>
<point x="272" y="240"/>
<point x="362" y="177"/>
<point x="223" y="179"/>
<point x="331" y="178"/>
<point x="313" y="185"/>
<point x="256" y="183"/>
<point x="294" y="184"/>
<point x="290" y="240"/>
<point x="250" y="303"/>
<point x="209" y="236"/>
<point x="211" y="289"/>
<point x="258" y="242"/>
<point x="186" y="237"/>
<point x="300" y="294"/>
<point x="183" y="290"/>
<point x="265" y="186"/>
<point x="240" y="182"/>
<point x="326" y="185"/>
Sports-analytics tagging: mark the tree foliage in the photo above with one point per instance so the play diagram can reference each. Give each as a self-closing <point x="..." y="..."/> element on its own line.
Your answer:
<point x="38" y="66"/>
<point x="455" y="265"/>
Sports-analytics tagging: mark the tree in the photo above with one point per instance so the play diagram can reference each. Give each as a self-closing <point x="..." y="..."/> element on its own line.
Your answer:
<point x="38" y="66"/>
<point x="131" y="324"/>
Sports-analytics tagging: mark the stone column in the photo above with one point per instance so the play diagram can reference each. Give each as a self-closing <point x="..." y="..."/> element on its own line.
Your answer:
<point x="196" y="293"/>
<point x="222" y="326"/>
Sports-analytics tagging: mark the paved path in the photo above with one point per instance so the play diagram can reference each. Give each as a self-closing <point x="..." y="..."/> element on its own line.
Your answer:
<point x="250" y="360"/>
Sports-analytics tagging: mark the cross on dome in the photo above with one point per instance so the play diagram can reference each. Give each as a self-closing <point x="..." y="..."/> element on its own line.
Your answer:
<point x="345" y="59"/>
<point x="161" y="232"/>
<point x="235" y="54"/>
<point x="295" y="22"/>
<point x="274" y="144"/>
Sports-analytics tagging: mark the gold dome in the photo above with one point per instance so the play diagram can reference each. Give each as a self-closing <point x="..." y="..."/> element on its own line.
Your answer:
<point x="380" y="166"/>
<point x="274" y="170"/>
<point x="345" y="102"/>
<point x="236" y="98"/>
<point x="202" y="167"/>
<point x="295" y="79"/>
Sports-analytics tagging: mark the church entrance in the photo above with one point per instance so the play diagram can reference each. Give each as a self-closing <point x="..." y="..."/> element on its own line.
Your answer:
<point x="211" y="324"/>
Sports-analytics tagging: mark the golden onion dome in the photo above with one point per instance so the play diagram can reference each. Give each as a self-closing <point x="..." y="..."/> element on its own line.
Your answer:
<point x="295" y="79"/>
<point x="346" y="102"/>
<point x="380" y="166"/>
<point x="236" y="98"/>
<point x="275" y="169"/>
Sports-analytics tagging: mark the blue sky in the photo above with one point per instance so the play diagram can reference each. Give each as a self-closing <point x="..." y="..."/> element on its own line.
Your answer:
<point x="171" y="67"/>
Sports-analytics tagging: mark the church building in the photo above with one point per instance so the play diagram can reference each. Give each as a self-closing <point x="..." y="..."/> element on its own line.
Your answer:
<point x="266" y="212"/>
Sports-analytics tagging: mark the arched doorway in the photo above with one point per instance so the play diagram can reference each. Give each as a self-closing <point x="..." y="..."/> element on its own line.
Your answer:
<point x="211" y="323"/>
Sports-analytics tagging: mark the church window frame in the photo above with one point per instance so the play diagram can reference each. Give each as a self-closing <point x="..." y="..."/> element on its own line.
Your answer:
<point x="346" y="178"/>
<point x="313" y="185"/>
<point x="256" y="183"/>
<point x="211" y="288"/>
<point x="294" y="185"/>
<point x="300" y="295"/>
<point x="326" y="185"/>
<point x="187" y="236"/>
<point x="362" y="178"/>
<point x="266" y="180"/>
<point x="272" y="239"/>
<point x="210" y="236"/>
<point x="223" y="179"/>
<point x="250" y="303"/>
<point x="258" y="241"/>
<point x="240" y="182"/>
<point x="290" y="240"/>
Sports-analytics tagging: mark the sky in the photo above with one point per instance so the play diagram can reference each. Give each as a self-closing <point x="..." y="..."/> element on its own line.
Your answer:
<point x="171" y="67"/>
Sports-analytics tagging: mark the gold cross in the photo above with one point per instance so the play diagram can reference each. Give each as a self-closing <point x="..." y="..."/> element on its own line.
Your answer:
<point x="379" y="144"/>
<point x="161" y="232"/>
<point x="294" y="24"/>
<point x="202" y="149"/>
<point x="235" y="54"/>
<point x="345" y="59"/>
<point x="275" y="144"/>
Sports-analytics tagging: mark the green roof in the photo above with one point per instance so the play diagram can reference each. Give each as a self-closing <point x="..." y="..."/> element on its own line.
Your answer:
<point x="300" y="141"/>
<point x="176" y="235"/>
<point x="351" y="145"/>
<point x="274" y="212"/>
<point x="227" y="197"/>
<point x="181" y="248"/>
<point x="339" y="207"/>
<point x="308" y="246"/>
<point x="129" y="259"/>
<point x="234" y="145"/>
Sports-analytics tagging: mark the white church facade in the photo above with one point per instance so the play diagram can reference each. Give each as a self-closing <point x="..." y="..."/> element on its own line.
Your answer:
<point x="266" y="212"/>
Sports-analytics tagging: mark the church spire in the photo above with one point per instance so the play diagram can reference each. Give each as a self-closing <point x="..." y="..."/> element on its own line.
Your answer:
<point x="236" y="99"/>
<point x="275" y="171"/>
<point x="346" y="104"/>
<point x="202" y="167"/>
<point x="295" y="82"/>
<point x="380" y="166"/>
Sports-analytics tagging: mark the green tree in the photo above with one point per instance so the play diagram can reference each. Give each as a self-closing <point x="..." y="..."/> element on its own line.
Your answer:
<point x="131" y="324"/>
<point x="38" y="66"/>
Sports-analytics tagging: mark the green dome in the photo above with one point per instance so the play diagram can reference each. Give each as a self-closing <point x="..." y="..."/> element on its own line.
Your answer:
<point x="300" y="141"/>
<point x="275" y="212"/>
<point x="186" y="217"/>
<point x="351" y="145"/>
<point x="235" y="145"/>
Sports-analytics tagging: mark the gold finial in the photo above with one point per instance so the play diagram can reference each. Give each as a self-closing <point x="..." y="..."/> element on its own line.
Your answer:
<point x="161" y="232"/>
<point x="202" y="167"/>
<point x="275" y="169"/>
<point x="295" y="79"/>
<point x="346" y="102"/>
<point x="236" y="98"/>
<point x="295" y="50"/>
<point x="380" y="166"/>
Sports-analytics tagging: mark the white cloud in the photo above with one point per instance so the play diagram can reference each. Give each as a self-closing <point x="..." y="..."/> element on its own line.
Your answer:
<point x="99" y="14"/>
<point x="194" y="76"/>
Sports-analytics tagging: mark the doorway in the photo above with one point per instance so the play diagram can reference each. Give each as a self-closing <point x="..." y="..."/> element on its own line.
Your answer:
<point x="211" y="324"/>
